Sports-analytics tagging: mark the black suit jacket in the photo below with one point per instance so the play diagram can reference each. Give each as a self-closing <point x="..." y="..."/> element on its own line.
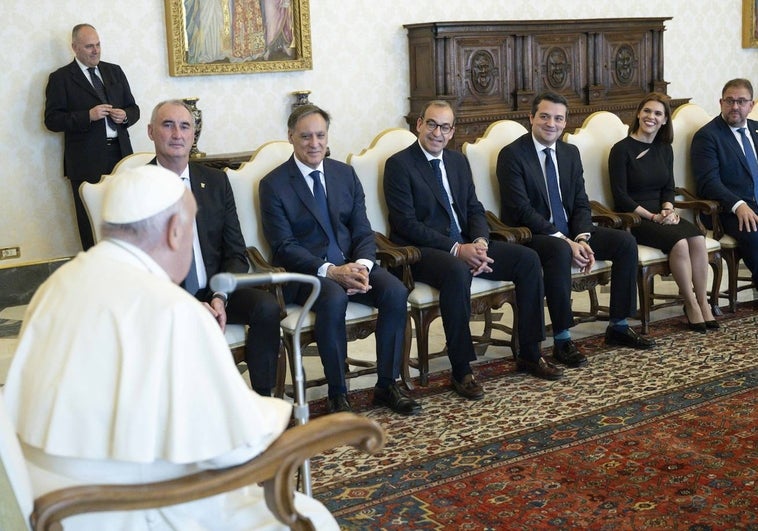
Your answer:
<point x="523" y="192"/>
<point x="417" y="212"/>
<point x="218" y="227"/>
<point x="291" y="224"/>
<point x="720" y="166"/>
<point x="68" y="98"/>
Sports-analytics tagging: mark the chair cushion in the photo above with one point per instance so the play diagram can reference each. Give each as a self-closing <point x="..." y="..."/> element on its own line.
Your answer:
<point x="235" y="335"/>
<point x="355" y="312"/>
<point x="425" y="295"/>
<point x="599" y="265"/>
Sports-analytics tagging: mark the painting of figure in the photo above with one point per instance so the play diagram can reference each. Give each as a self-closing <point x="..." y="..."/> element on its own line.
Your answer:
<point x="237" y="36"/>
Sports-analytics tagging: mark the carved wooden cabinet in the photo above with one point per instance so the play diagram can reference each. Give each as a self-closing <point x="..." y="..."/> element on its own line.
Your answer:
<point x="492" y="70"/>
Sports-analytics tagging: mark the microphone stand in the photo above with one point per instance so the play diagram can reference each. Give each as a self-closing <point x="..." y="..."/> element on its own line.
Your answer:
<point x="228" y="282"/>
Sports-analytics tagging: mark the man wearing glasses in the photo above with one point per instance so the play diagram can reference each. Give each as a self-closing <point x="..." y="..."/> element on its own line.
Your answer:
<point x="724" y="161"/>
<point x="433" y="205"/>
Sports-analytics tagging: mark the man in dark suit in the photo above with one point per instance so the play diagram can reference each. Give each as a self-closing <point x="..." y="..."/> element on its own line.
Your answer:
<point x="542" y="188"/>
<point x="433" y="205"/>
<point x="219" y="245"/>
<point x="91" y="103"/>
<point x="314" y="218"/>
<point x="724" y="161"/>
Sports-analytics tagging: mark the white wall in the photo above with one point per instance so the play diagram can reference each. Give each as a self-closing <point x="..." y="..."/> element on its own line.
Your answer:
<point x="360" y="75"/>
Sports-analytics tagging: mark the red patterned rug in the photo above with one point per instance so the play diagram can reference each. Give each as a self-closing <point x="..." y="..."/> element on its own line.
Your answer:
<point x="664" y="439"/>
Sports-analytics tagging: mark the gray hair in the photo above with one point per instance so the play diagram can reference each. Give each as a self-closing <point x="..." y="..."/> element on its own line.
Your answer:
<point x="177" y="102"/>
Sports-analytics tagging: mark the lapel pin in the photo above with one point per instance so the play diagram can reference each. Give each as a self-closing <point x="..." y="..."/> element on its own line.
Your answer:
<point x="202" y="185"/>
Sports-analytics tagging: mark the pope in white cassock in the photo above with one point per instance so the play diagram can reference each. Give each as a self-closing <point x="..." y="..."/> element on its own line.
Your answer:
<point x="122" y="377"/>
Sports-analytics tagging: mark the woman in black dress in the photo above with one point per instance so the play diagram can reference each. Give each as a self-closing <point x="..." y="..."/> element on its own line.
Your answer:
<point x="641" y="170"/>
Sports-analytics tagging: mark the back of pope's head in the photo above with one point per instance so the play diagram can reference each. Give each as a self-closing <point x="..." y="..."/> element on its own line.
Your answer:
<point x="140" y="193"/>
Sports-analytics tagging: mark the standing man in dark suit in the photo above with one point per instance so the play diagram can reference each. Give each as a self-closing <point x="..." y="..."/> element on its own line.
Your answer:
<point x="314" y="218"/>
<point x="219" y="246"/>
<point x="91" y="103"/>
<point x="724" y="161"/>
<point x="542" y="188"/>
<point x="433" y="205"/>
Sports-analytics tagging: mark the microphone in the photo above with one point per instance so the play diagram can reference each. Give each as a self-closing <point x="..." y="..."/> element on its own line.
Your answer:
<point x="228" y="282"/>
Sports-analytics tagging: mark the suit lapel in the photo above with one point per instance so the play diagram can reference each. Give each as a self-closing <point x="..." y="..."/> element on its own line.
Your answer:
<point x="301" y="189"/>
<point x="535" y="168"/>
<point x="427" y="175"/>
<point x="80" y="79"/>
<point x="564" y="173"/>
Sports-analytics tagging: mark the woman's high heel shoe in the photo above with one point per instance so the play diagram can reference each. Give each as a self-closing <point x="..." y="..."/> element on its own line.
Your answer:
<point x="713" y="325"/>
<point x="700" y="328"/>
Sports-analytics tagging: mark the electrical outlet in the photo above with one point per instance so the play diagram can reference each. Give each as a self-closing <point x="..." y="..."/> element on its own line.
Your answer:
<point x="6" y="253"/>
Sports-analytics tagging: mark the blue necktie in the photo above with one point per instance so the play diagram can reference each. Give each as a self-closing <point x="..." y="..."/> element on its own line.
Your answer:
<point x="554" y="194"/>
<point x="191" y="283"/>
<point x="333" y="252"/>
<point x="751" y="162"/>
<point x="455" y="232"/>
<point x="100" y="89"/>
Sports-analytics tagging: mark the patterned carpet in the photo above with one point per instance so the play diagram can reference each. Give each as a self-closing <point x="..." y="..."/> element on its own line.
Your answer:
<point x="663" y="439"/>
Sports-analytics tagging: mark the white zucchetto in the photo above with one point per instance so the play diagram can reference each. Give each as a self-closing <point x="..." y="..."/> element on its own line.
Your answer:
<point x="140" y="193"/>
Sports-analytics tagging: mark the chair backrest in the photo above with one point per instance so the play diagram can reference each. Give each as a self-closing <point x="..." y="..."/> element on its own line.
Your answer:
<point x="686" y="120"/>
<point x="92" y="195"/>
<point x="245" y="181"/>
<point x="754" y="113"/>
<point x="599" y="132"/>
<point x="16" y="498"/>
<point x="482" y="157"/>
<point x="369" y="166"/>
<point x="133" y="161"/>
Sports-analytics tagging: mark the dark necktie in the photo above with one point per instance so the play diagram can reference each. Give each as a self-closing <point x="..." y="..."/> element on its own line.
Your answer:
<point x="191" y="282"/>
<point x="455" y="232"/>
<point x="751" y="162"/>
<point x="554" y="194"/>
<point x="333" y="252"/>
<point x="100" y="89"/>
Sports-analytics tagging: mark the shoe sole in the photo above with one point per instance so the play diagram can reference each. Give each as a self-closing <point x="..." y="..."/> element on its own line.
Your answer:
<point x="468" y="397"/>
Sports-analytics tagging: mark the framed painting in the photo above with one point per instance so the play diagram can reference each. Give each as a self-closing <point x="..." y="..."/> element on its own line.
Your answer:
<point x="749" y="23"/>
<point x="237" y="36"/>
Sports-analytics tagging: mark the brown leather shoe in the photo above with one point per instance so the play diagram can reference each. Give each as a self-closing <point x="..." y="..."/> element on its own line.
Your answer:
<point x="540" y="368"/>
<point x="468" y="388"/>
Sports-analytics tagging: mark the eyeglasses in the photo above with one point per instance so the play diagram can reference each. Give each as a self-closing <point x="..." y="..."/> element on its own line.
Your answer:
<point x="731" y="101"/>
<point x="431" y="125"/>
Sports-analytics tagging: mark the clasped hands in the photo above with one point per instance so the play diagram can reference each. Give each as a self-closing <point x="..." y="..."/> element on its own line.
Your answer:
<point x="98" y="112"/>
<point x="475" y="255"/>
<point x="667" y="216"/>
<point x="351" y="276"/>
<point x="583" y="256"/>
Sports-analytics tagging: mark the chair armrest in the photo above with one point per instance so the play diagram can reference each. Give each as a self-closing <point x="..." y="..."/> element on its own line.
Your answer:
<point x="502" y="232"/>
<point x="706" y="207"/>
<point x="393" y="256"/>
<point x="602" y="215"/>
<point x="261" y="265"/>
<point x="275" y="468"/>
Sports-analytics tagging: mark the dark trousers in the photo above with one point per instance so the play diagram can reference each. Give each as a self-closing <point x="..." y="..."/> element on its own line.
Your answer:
<point x="451" y="276"/>
<point x="86" y="236"/>
<point x="747" y="241"/>
<point x="260" y="311"/>
<point x="387" y="294"/>
<point x="608" y="244"/>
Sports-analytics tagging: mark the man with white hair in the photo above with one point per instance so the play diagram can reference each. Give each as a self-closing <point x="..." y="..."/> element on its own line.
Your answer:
<point x="121" y="376"/>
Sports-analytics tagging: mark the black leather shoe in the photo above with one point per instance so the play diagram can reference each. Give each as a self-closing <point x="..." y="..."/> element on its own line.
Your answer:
<point x="627" y="338"/>
<point x="338" y="404"/>
<point x="712" y="325"/>
<point x="700" y="328"/>
<point x="540" y="368"/>
<point x="566" y="352"/>
<point x="394" y="398"/>
<point x="468" y="388"/>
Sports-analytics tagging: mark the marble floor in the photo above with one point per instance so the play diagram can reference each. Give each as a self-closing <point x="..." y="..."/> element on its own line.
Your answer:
<point x="10" y="321"/>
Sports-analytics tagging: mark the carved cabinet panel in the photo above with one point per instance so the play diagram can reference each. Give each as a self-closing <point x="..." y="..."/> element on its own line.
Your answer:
<point x="492" y="70"/>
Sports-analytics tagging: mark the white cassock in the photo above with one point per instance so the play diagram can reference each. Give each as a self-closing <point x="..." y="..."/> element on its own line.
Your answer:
<point x="122" y="377"/>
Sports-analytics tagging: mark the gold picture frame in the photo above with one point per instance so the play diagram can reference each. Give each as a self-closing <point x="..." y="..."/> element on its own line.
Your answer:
<point x="207" y="37"/>
<point x="750" y="23"/>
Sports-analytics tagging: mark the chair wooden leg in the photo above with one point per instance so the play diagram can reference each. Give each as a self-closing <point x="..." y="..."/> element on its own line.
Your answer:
<point x="422" y="345"/>
<point x="645" y="289"/>
<point x="717" y="269"/>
